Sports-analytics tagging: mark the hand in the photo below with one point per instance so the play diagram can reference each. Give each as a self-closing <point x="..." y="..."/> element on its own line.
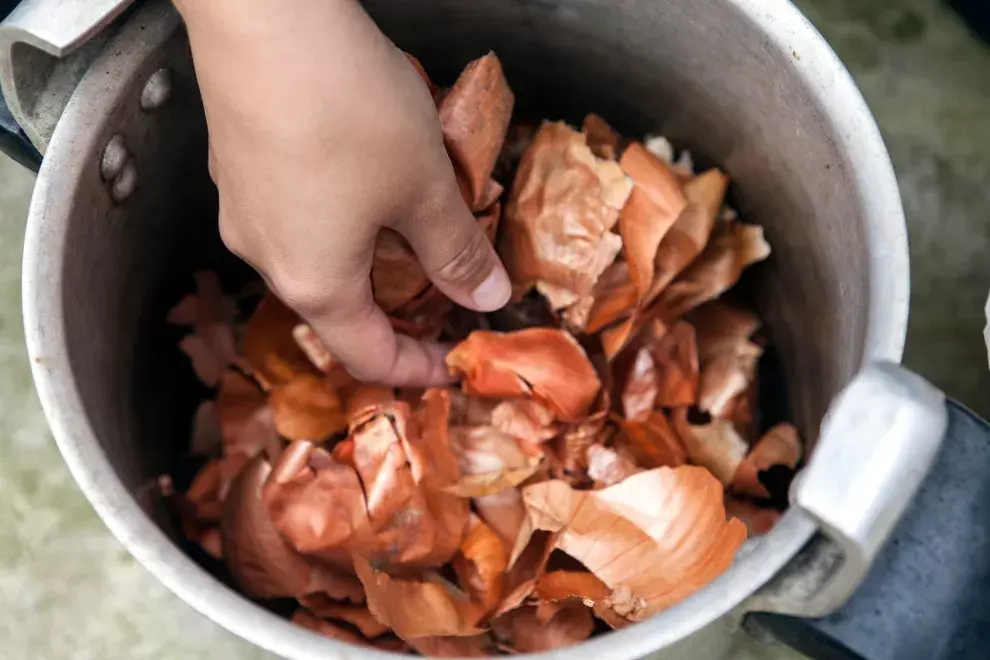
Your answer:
<point x="321" y="134"/>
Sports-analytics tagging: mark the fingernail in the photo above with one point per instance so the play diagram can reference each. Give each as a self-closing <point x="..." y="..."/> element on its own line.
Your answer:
<point x="494" y="292"/>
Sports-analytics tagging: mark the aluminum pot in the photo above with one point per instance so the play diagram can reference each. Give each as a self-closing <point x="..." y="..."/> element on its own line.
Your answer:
<point x="124" y="212"/>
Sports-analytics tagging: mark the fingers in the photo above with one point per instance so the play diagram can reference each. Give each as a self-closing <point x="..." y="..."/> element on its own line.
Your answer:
<point x="211" y="163"/>
<point x="358" y="333"/>
<point x="328" y="283"/>
<point x="456" y="253"/>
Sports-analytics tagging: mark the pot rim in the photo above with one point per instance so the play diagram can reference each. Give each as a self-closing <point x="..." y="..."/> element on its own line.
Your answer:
<point x="71" y="149"/>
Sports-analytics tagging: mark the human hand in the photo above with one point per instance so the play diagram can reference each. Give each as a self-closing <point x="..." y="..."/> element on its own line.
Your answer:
<point x="321" y="134"/>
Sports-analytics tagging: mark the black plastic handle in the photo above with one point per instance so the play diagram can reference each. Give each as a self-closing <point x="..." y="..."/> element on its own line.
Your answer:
<point x="927" y="596"/>
<point x="14" y="143"/>
<point x="976" y="13"/>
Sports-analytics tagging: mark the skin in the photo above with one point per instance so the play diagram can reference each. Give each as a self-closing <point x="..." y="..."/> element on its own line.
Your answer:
<point x="321" y="134"/>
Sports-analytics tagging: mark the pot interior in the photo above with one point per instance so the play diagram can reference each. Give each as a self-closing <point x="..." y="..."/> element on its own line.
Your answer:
<point x="702" y="73"/>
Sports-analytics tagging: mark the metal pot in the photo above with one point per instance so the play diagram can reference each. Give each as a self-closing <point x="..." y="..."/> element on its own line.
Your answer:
<point x="124" y="211"/>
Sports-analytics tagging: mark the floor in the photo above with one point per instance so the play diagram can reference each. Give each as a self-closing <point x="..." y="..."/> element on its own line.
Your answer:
<point x="70" y="590"/>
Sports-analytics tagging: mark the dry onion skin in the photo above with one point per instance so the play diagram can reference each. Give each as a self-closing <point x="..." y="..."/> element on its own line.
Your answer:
<point x="598" y="459"/>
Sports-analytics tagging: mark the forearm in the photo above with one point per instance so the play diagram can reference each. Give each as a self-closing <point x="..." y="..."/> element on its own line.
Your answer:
<point x="270" y="52"/>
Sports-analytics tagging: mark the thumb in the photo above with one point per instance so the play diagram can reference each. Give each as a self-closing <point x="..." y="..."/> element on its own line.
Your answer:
<point x="456" y="253"/>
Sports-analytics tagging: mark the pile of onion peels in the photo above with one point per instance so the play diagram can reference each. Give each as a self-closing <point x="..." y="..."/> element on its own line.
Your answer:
<point x="600" y="459"/>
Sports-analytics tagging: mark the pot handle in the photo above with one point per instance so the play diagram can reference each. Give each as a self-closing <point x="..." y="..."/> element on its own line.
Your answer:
<point x="877" y="443"/>
<point x="45" y="48"/>
<point x="925" y="593"/>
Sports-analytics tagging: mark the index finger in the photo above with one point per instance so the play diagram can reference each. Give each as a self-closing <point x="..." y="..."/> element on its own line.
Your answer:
<point x="358" y="334"/>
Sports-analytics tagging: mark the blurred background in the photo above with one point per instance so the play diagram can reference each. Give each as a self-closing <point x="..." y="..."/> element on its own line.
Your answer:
<point x="69" y="590"/>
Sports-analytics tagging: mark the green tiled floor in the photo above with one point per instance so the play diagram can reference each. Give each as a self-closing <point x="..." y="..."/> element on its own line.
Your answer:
<point x="69" y="591"/>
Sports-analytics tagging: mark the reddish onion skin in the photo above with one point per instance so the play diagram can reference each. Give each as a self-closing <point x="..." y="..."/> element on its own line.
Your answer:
<point x="603" y="140"/>
<point x="326" y="628"/>
<point x="264" y="565"/>
<point x="474" y="117"/>
<point x="545" y="363"/>
<point x="631" y="546"/>
<point x="572" y="624"/>
<point x="781" y="445"/>
<point x="759" y="520"/>
<point x="557" y="229"/>
<point x="268" y="347"/>
<point x="478" y="646"/>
